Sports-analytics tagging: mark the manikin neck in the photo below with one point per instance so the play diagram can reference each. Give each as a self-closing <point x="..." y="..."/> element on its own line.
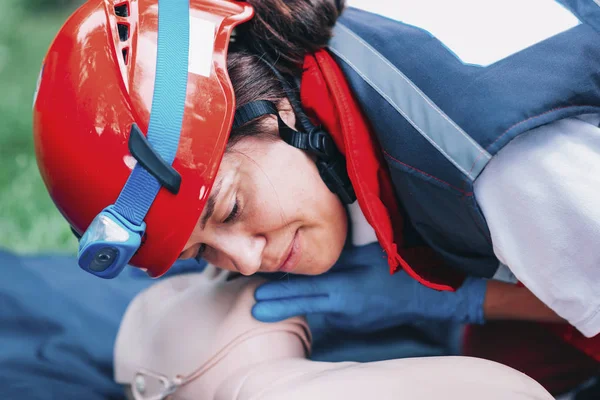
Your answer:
<point x="246" y="356"/>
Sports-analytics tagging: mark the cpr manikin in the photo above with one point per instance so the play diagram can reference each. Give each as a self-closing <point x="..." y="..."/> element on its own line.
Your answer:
<point x="192" y="337"/>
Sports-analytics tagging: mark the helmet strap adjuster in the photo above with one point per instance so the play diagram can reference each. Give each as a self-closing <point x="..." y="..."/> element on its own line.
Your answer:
<point x="148" y="157"/>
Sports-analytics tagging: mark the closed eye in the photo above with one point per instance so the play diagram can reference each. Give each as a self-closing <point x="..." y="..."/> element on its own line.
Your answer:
<point x="233" y="214"/>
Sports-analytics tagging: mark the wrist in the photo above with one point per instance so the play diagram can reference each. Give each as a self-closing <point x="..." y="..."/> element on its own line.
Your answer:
<point x="471" y="298"/>
<point x="512" y="302"/>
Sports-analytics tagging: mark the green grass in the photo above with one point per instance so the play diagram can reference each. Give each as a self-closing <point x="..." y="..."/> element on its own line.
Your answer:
<point x="29" y="221"/>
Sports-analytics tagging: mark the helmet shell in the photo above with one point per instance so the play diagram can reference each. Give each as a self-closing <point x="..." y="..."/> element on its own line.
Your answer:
<point x="97" y="80"/>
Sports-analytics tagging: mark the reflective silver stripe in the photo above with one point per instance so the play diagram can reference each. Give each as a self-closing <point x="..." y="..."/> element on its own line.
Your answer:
<point x="402" y="94"/>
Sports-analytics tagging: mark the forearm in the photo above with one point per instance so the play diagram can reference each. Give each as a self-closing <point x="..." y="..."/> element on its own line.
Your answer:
<point x="511" y="302"/>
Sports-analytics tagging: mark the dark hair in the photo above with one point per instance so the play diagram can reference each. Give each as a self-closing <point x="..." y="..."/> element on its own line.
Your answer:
<point x="283" y="31"/>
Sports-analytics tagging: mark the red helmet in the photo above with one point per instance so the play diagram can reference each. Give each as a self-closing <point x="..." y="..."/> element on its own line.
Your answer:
<point x="96" y="93"/>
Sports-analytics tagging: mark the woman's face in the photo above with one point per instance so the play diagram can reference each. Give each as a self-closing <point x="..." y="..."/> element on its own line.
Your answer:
<point x="269" y="211"/>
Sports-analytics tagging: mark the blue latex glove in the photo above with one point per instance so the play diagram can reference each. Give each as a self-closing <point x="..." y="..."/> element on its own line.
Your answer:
<point x="360" y="295"/>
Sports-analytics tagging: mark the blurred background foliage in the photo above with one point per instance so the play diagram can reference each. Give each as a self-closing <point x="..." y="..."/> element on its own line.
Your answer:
<point x="29" y="221"/>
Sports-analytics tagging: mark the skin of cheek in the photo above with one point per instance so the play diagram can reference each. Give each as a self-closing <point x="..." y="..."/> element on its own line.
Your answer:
<point x="282" y="194"/>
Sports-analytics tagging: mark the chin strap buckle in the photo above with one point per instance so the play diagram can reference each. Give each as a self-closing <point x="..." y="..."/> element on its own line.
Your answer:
<point x="333" y="174"/>
<point x="321" y="144"/>
<point x="331" y="164"/>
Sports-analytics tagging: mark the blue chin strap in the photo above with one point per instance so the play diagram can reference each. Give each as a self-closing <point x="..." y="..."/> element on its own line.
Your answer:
<point x="116" y="233"/>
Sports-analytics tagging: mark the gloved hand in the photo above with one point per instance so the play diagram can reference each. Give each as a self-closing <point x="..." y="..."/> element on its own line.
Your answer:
<point x="359" y="294"/>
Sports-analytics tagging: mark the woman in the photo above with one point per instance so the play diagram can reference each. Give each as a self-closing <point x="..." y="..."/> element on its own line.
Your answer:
<point x="265" y="191"/>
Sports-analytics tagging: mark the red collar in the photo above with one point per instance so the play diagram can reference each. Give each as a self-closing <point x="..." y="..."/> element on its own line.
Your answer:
<point x="326" y="97"/>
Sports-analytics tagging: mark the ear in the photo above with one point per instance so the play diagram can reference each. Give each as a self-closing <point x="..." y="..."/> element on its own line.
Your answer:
<point x="286" y="112"/>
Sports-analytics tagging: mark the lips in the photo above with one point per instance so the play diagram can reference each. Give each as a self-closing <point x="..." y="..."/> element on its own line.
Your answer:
<point x="293" y="257"/>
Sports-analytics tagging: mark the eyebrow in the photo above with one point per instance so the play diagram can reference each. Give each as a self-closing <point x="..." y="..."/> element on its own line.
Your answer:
<point x="210" y="204"/>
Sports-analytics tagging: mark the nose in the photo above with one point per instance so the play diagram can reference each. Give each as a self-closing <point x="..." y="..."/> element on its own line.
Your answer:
<point x="245" y="252"/>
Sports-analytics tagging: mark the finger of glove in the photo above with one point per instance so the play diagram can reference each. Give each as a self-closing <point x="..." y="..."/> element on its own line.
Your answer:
<point x="297" y="286"/>
<point x="278" y="310"/>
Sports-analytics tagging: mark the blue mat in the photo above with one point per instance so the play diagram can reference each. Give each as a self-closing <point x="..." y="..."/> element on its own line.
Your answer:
<point x="58" y="325"/>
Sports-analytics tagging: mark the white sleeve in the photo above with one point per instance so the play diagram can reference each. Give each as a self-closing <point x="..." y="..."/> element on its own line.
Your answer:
<point x="540" y="196"/>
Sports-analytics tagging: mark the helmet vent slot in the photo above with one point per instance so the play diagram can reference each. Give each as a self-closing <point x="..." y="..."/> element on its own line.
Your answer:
<point x="123" y="32"/>
<point x="122" y="10"/>
<point x="125" y="53"/>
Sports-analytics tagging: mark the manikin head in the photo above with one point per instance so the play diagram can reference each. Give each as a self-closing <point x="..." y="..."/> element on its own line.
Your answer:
<point x="199" y="324"/>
